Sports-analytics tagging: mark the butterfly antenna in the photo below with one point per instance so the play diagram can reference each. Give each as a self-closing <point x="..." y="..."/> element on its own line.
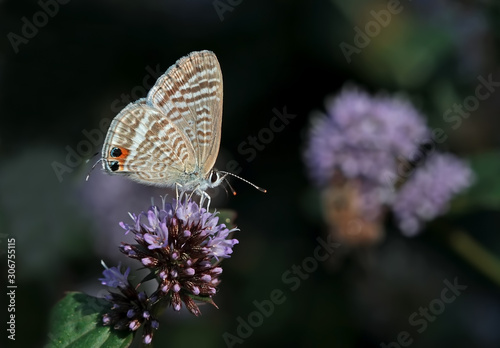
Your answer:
<point x="91" y="169"/>
<point x="232" y="189"/>
<point x="88" y="159"/>
<point x="244" y="180"/>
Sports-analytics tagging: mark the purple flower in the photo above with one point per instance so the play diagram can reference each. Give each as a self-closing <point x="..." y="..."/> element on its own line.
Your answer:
<point x="182" y="244"/>
<point x="363" y="143"/>
<point x="130" y="309"/>
<point x="427" y="192"/>
<point x="114" y="278"/>
<point x="361" y="136"/>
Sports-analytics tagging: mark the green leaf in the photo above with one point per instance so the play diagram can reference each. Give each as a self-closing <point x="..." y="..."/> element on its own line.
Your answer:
<point x="76" y="321"/>
<point x="486" y="190"/>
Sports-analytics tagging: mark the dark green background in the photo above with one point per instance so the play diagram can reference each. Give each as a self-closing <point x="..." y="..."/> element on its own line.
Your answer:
<point x="70" y="77"/>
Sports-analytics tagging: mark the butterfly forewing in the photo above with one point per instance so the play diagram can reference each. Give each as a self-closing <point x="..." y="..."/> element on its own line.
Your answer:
<point x="190" y="95"/>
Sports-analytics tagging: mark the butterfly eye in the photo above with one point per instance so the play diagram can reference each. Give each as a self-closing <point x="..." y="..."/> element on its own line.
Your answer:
<point x="115" y="152"/>
<point x="214" y="177"/>
<point x="114" y="166"/>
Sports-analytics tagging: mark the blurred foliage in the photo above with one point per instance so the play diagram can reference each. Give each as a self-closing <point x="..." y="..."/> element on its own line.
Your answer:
<point x="486" y="192"/>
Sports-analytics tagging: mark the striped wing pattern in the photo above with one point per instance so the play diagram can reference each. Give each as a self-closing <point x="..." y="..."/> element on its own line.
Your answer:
<point x="190" y="94"/>
<point x="173" y="135"/>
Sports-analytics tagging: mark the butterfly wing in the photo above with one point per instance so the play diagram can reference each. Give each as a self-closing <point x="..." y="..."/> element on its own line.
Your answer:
<point x="189" y="94"/>
<point x="148" y="147"/>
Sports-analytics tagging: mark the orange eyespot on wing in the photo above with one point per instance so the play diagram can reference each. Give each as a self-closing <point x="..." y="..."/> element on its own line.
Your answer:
<point x="117" y="157"/>
<point x="118" y="152"/>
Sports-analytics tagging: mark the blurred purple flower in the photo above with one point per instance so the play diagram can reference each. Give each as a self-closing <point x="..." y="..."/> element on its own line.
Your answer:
<point x="427" y="192"/>
<point x="361" y="136"/>
<point x="365" y="141"/>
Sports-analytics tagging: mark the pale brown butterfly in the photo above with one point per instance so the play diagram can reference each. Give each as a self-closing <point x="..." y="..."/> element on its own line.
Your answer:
<point x="172" y="137"/>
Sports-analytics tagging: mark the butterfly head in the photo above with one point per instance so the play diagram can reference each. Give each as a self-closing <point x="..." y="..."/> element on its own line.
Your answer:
<point x="215" y="178"/>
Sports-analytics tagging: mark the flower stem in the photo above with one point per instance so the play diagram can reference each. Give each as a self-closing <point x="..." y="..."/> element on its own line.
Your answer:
<point x="484" y="261"/>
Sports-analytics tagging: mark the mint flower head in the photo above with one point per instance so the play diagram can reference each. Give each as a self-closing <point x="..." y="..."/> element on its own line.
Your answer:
<point x="130" y="309"/>
<point x="355" y="153"/>
<point x="182" y="244"/>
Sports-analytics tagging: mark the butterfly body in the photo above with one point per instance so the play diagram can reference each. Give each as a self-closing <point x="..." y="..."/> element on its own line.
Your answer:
<point x="171" y="137"/>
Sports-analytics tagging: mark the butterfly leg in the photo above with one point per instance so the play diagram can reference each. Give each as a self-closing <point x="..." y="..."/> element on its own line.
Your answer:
<point x="177" y="194"/>
<point x="203" y="196"/>
<point x="202" y="199"/>
<point x="191" y="195"/>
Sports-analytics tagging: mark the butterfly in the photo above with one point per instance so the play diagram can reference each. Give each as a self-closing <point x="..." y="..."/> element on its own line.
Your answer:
<point x="172" y="137"/>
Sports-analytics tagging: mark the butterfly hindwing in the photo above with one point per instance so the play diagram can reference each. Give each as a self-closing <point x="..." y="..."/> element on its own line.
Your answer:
<point x="146" y="147"/>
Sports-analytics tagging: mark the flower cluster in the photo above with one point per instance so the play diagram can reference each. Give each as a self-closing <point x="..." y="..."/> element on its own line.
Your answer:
<point x="182" y="244"/>
<point x="130" y="309"/>
<point x="365" y="141"/>
<point x="362" y="136"/>
<point x="428" y="191"/>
